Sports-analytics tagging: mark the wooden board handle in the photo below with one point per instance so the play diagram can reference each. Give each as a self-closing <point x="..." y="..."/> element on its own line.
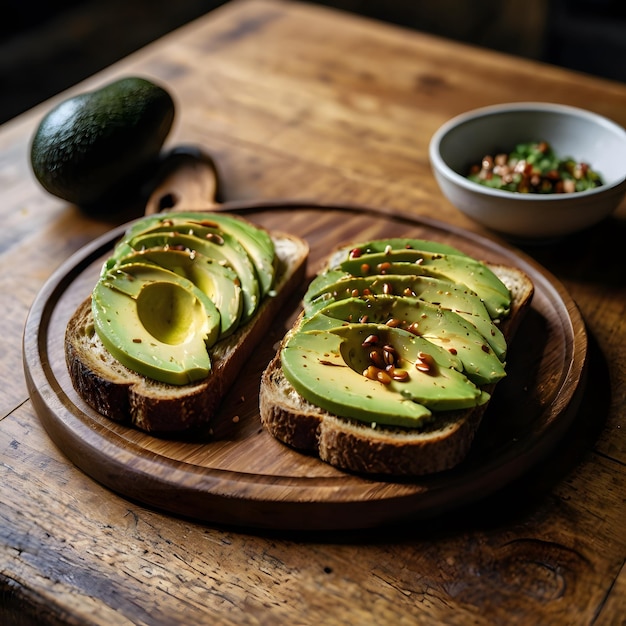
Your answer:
<point x="186" y="180"/>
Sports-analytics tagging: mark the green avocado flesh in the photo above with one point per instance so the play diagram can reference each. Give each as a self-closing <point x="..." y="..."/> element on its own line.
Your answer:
<point x="169" y="292"/>
<point x="219" y="282"/>
<point x="459" y="269"/>
<point x="400" y="243"/>
<point x="231" y="255"/>
<point x="327" y="367"/>
<point x="337" y="285"/>
<point x="256" y="241"/>
<point x="443" y="328"/>
<point x="141" y="311"/>
<point x="398" y="331"/>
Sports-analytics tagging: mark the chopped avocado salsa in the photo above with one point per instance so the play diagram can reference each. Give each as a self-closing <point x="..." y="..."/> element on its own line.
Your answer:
<point x="397" y="331"/>
<point x="534" y="168"/>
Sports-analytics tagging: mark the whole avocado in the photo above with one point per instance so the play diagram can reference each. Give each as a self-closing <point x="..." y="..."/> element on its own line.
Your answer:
<point x="91" y="146"/>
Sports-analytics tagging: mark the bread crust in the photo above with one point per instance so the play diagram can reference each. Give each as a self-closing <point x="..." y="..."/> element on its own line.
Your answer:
<point x="358" y="447"/>
<point x="127" y="397"/>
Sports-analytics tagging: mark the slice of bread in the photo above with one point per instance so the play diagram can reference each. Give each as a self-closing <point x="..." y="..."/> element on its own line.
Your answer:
<point x="125" y="396"/>
<point x="356" y="446"/>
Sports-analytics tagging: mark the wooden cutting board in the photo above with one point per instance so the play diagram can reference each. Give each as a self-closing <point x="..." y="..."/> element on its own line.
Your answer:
<point x="237" y="474"/>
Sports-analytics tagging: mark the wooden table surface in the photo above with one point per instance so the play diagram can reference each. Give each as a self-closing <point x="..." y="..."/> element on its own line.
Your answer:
<point x="302" y="102"/>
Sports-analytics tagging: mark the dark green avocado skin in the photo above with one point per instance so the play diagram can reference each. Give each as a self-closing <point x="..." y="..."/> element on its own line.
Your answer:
<point x="90" y="146"/>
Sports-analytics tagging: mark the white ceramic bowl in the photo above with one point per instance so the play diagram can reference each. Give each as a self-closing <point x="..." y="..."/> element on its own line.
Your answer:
<point x="572" y="132"/>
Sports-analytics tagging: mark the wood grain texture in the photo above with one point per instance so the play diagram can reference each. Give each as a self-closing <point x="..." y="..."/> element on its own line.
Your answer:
<point x="299" y="102"/>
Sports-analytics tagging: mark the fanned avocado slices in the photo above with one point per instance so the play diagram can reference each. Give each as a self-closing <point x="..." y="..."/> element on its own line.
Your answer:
<point x="459" y="269"/>
<point x="155" y="322"/>
<point x="337" y="285"/>
<point x="172" y="288"/>
<point x="397" y="331"/>
<point x="255" y="240"/>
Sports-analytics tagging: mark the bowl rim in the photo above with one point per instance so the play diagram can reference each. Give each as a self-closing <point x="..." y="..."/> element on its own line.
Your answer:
<point x="445" y="170"/>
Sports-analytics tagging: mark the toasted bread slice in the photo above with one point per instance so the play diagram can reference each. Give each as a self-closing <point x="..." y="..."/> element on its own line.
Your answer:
<point x="126" y="396"/>
<point x="356" y="446"/>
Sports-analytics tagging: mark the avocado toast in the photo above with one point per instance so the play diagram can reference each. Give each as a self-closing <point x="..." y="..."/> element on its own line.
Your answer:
<point x="392" y="362"/>
<point x="176" y="312"/>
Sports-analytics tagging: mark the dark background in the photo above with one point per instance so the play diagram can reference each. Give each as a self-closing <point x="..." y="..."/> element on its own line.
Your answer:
<point x="47" y="46"/>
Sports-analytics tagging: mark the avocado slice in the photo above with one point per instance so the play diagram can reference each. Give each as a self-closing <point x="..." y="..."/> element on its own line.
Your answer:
<point x="229" y="252"/>
<point x="256" y="241"/>
<point x="460" y="269"/>
<point x="336" y="285"/>
<point x="395" y="320"/>
<point x="219" y="282"/>
<point x="400" y="243"/>
<point x="155" y="322"/>
<point x="326" y="367"/>
<point x="443" y="328"/>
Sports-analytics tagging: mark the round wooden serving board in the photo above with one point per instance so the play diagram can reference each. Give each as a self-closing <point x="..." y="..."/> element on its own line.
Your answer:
<point x="236" y="473"/>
